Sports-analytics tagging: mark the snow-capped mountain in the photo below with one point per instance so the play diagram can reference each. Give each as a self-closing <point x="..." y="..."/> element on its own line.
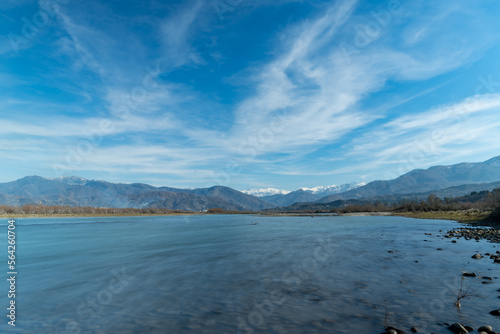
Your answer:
<point x="265" y="192"/>
<point x="333" y="189"/>
<point x="284" y="197"/>
<point x="322" y="190"/>
<point x="71" y="180"/>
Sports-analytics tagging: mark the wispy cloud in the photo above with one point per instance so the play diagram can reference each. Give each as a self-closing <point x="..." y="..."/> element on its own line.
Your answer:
<point x="283" y="102"/>
<point x="312" y="89"/>
<point x="177" y="32"/>
<point x="99" y="126"/>
<point x="452" y="132"/>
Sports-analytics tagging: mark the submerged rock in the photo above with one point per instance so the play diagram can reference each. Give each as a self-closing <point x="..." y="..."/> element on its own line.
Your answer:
<point x="458" y="328"/>
<point x="397" y="330"/>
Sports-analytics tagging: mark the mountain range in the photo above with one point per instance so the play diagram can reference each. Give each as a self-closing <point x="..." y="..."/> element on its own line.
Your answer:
<point x="76" y="191"/>
<point x="319" y="190"/>
<point x="284" y="197"/>
<point x="426" y="180"/>
<point x="444" y="181"/>
<point x="451" y="192"/>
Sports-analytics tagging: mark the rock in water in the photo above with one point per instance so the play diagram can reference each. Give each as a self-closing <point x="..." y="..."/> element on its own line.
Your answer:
<point x="476" y="256"/>
<point x="495" y="312"/>
<point x="485" y="329"/>
<point x="458" y="328"/>
<point x="391" y="328"/>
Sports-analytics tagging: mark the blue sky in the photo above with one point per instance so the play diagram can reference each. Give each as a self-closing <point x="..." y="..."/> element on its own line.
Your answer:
<point x="246" y="94"/>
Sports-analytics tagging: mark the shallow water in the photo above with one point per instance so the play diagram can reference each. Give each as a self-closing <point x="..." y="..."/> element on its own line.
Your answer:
<point x="222" y="274"/>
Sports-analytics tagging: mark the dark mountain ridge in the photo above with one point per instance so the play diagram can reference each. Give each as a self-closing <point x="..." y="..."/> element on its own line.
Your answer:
<point x="444" y="181"/>
<point x="74" y="191"/>
<point x="425" y="180"/>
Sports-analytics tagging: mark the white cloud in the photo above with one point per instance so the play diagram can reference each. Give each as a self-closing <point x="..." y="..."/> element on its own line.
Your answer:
<point x="310" y="94"/>
<point x="78" y="43"/>
<point x="176" y="33"/>
<point x="454" y="112"/>
<point x="445" y="134"/>
<point x="51" y="128"/>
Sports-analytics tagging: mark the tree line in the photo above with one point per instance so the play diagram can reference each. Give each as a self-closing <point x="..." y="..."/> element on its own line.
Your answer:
<point x="31" y="209"/>
<point x="484" y="200"/>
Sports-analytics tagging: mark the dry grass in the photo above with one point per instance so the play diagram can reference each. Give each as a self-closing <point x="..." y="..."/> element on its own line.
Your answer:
<point x="460" y="215"/>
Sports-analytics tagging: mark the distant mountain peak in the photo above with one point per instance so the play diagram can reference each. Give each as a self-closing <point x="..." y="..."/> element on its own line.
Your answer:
<point x="427" y="180"/>
<point x="71" y="180"/>
<point x="494" y="161"/>
<point x="265" y="192"/>
<point x="333" y="188"/>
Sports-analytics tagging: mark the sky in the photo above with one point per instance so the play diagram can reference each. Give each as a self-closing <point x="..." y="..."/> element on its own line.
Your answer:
<point x="246" y="94"/>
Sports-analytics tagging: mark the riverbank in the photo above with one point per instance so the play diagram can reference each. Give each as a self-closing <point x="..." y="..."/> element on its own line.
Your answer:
<point x="464" y="216"/>
<point x="93" y="215"/>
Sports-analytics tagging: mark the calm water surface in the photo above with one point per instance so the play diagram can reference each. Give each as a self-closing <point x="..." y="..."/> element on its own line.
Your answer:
<point x="243" y="274"/>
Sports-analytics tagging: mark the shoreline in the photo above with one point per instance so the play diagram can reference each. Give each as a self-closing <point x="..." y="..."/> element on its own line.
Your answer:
<point x="91" y="215"/>
<point x="462" y="216"/>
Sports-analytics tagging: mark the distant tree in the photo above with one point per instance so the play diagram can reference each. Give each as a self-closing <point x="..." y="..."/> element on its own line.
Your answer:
<point x="434" y="202"/>
<point x="216" y="211"/>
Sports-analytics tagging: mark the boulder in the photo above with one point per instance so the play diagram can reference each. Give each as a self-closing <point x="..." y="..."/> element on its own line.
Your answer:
<point x="494" y="217"/>
<point x="398" y="331"/>
<point x="458" y="329"/>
